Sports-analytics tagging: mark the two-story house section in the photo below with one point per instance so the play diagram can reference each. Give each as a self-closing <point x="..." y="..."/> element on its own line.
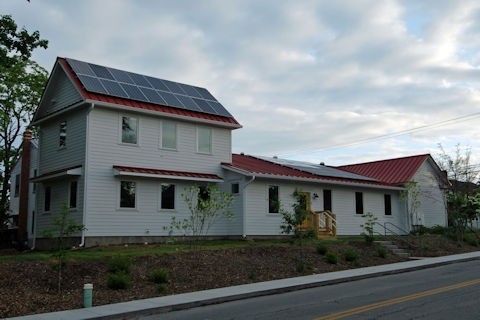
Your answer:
<point x="118" y="148"/>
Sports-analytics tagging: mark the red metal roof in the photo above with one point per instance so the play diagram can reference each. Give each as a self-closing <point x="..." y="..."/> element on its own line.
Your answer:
<point x="253" y="165"/>
<point x="139" y="104"/>
<point x="394" y="171"/>
<point x="172" y="173"/>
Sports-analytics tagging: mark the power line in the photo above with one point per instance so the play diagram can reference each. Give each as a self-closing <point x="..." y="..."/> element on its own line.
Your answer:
<point x="399" y="133"/>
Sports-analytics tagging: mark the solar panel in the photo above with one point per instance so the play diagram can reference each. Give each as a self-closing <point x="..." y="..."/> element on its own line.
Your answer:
<point x="92" y="84"/>
<point x="152" y="96"/>
<point x="133" y="92"/>
<point x="124" y="84"/>
<point x="121" y="76"/>
<point x="139" y="80"/>
<point x="101" y="72"/>
<point x="113" y="88"/>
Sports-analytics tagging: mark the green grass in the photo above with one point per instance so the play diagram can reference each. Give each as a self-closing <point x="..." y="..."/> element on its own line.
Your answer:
<point x="137" y="250"/>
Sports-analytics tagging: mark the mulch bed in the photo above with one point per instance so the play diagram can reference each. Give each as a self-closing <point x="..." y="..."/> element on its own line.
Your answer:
<point x="28" y="287"/>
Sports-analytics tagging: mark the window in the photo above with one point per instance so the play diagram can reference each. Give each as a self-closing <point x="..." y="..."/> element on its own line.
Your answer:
<point x="62" y="141"/>
<point x="169" y="135"/>
<point x="204" y="140"/>
<point x="327" y="200"/>
<point x="167" y="196"/>
<point x="129" y="130"/>
<point x="34" y="188"/>
<point x="358" y="202"/>
<point x="47" y="198"/>
<point x="388" y="204"/>
<point x="235" y="188"/>
<point x="73" y="194"/>
<point x="17" y="185"/>
<point x="127" y="194"/>
<point x="273" y="201"/>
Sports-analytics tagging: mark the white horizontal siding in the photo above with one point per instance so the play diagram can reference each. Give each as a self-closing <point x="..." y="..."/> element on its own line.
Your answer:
<point x="51" y="156"/>
<point x="432" y="209"/>
<point x="60" y="94"/>
<point x="259" y="222"/>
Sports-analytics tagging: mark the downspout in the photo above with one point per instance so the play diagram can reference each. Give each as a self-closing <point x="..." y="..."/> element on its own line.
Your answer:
<point x="85" y="171"/>
<point x="244" y="235"/>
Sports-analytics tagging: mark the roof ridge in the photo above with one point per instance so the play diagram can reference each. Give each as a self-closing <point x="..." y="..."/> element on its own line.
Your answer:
<point x="384" y="160"/>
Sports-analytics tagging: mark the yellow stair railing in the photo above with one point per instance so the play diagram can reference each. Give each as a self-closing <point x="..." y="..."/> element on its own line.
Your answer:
<point x="323" y="222"/>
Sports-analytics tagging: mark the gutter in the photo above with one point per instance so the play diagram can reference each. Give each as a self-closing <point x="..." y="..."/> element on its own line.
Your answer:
<point x="244" y="235"/>
<point x="85" y="173"/>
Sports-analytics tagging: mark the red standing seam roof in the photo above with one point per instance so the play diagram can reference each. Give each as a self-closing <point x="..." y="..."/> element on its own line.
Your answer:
<point x="255" y="165"/>
<point x="138" y="104"/>
<point x="393" y="171"/>
<point x="168" y="172"/>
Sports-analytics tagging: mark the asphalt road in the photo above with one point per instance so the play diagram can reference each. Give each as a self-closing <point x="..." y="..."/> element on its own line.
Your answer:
<point x="447" y="292"/>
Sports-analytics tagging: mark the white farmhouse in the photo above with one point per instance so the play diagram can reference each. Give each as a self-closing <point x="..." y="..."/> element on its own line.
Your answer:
<point x="118" y="148"/>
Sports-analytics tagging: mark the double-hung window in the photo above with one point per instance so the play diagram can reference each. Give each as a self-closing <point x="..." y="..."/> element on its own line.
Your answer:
<point x="47" y="198"/>
<point x="17" y="185"/>
<point x="204" y="140"/>
<point x="327" y="200"/>
<point x="129" y="130"/>
<point x="273" y="200"/>
<point x="128" y="193"/>
<point x="167" y="195"/>
<point x="169" y="135"/>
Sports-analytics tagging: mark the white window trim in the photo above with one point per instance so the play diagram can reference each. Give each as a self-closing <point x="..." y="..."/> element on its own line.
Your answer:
<point x="60" y="132"/>
<point x="175" y="199"/>
<point x="161" y="136"/>
<point x="267" y="193"/>
<point x="119" y="196"/>
<point x="120" y="130"/>
<point x="211" y="140"/>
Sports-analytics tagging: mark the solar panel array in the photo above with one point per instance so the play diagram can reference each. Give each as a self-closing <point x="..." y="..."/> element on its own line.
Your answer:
<point x="316" y="169"/>
<point x="129" y="85"/>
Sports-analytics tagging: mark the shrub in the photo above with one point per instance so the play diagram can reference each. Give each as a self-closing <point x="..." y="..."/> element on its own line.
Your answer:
<point x="159" y="276"/>
<point x="161" y="288"/>
<point x="382" y="252"/>
<point x="252" y="275"/>
<point x="120" y="264"/>
<point x="322" y="249"/>
<point x="471" y="240"/>
<point x="331" y="258"/>
<point x="350" y="255"/>
<point x="117" y="281"/>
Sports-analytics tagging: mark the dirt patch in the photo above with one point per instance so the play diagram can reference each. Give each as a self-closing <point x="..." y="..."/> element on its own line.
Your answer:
<point x="28" y="287"/>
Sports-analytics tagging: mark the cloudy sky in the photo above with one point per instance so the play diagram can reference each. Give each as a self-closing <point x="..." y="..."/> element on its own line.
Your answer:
<point x="333" y="81"/>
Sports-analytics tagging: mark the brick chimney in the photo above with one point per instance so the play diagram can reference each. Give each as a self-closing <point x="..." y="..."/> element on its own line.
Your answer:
<point x="22" y="234"/>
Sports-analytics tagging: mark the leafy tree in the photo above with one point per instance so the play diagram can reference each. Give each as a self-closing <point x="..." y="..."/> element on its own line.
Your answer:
<point x="63" y="227"/>
<point x="21" y="85"/>
<point x="411" y="194"/>
<point x="206" y="204"/>
<point x="292" y="220"/>
<point x="463" y="199"/>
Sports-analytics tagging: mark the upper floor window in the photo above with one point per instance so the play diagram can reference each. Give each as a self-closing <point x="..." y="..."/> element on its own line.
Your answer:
<point x="34" y="187"/>
<point x="273" y="200"/>
<point x="128" y="194"/>
<point x="235" y="188"/>
<point x="169" y="135"/>
<point x="388" y="204"/>
<point x="129" y="130"/>
<point x="204" y="140"/>
<point x="17" y="185"/>
<point x="73" y="194"/>
<point x="359" y="202"/>
<point x="62" y="141"/>
<point x="167" y="196"/>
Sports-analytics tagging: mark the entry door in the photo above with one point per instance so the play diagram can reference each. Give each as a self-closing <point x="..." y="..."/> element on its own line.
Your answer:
<point x="305" y="204"/>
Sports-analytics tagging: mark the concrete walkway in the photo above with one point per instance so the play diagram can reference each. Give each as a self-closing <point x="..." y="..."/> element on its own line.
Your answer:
<point x="150" y="306"/>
